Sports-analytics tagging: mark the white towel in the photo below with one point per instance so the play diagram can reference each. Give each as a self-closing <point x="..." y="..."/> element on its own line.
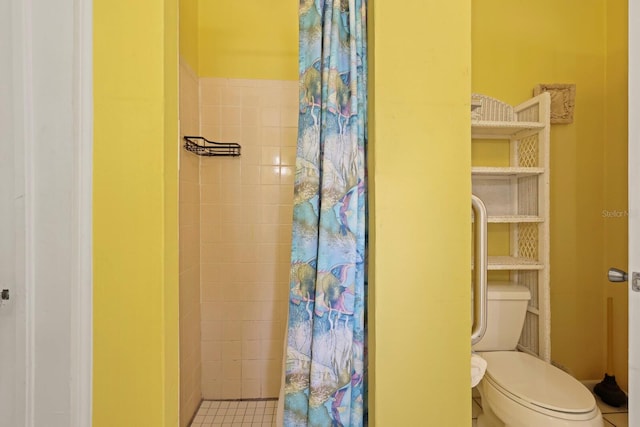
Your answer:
<point x="478" y="368"/>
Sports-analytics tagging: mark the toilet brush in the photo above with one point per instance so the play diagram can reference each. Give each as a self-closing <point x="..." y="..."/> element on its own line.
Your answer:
<point x="608" y="390"/>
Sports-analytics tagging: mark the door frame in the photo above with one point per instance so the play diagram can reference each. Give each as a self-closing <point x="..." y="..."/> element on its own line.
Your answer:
<point x="82" y="306"/>
<point x="634" y="210"/>
<point x="28" y="34"/>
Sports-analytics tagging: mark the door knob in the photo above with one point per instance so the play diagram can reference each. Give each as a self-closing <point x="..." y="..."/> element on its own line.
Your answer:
<point x="617" y="275"/>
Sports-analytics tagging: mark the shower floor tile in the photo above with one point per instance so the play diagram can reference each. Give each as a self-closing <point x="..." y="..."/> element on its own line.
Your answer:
<point x="236" y="413"/>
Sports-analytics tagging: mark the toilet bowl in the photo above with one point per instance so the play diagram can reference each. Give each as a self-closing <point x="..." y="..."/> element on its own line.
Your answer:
<point x="518" y="389"/>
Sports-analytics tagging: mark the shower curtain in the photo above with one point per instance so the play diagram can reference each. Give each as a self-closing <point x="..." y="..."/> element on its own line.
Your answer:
<point x="325" y="378"/>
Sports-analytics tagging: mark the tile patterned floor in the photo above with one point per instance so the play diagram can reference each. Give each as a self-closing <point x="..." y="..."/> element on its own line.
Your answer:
<point x="262" y="413"/>
<point x="245" y="413"/>
<point x="613" y="417"/>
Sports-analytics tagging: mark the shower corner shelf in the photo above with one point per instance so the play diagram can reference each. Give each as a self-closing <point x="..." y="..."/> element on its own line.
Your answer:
<point x="203" y="147"/>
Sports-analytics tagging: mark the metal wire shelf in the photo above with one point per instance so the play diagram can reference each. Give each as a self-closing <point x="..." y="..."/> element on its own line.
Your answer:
<point x="203" y="147"/>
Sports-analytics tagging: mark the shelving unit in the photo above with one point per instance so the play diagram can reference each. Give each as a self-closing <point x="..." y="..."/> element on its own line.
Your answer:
<point x="514" y="219"/>
<point x="506" y="171"/>
<point x="517" y="195"/>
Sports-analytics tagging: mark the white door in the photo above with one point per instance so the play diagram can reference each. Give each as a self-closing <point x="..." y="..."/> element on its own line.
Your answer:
<point x="634" y="211"/>
<point x="45" y="213"/>
<point x="11" y="319"/>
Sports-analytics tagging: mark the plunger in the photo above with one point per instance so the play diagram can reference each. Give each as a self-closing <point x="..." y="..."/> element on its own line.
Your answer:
<point x="608" y="390"/>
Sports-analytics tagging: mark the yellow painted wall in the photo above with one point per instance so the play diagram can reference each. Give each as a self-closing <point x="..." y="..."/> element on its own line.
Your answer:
<point x="189" y="45"/>
<point x="615" y="179"/>
<point x="420" y="250"/>
<point x="135" y="214"/>
<point x="252" y="39"/>
<point x="420" y="241"/>
<point x="517" y="45"/>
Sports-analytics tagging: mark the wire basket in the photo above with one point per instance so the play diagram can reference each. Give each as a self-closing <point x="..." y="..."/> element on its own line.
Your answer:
<point x="203" y="147"/>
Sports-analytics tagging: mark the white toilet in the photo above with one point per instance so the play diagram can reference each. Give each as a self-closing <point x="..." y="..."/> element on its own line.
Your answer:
<point x="520" y="390"/>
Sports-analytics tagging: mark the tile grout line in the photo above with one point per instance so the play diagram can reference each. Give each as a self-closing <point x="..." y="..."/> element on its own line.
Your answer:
<point x="236" y="413"/>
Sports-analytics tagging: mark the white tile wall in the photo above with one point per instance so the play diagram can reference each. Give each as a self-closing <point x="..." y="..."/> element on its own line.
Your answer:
<point x="189" y="267"/>
<point x="245" y="220"/>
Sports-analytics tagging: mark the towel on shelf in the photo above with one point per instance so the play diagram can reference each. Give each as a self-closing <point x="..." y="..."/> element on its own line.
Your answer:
<point x="478" y="368"/>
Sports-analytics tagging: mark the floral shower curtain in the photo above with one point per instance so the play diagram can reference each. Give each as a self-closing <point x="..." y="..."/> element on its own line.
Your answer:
<point x="325" y="382"/>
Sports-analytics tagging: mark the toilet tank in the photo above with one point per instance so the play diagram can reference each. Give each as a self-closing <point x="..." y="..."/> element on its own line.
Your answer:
<point x="506" y="309"/>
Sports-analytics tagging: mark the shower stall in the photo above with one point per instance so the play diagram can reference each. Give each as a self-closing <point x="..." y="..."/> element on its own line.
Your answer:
<point x="235" y="237"/>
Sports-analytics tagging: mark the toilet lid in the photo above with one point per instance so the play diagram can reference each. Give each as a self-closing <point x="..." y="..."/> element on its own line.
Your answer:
<point x="537" y="382"/>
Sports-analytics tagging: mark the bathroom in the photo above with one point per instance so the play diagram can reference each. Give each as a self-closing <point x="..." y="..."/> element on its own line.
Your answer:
<point x="248" y="63"/>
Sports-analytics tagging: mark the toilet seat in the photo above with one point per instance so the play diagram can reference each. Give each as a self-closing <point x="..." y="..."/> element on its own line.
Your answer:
<point x="538" y="385"/>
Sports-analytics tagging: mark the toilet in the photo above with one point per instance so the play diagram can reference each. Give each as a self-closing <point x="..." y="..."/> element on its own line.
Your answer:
<point x="520" y="390"/>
